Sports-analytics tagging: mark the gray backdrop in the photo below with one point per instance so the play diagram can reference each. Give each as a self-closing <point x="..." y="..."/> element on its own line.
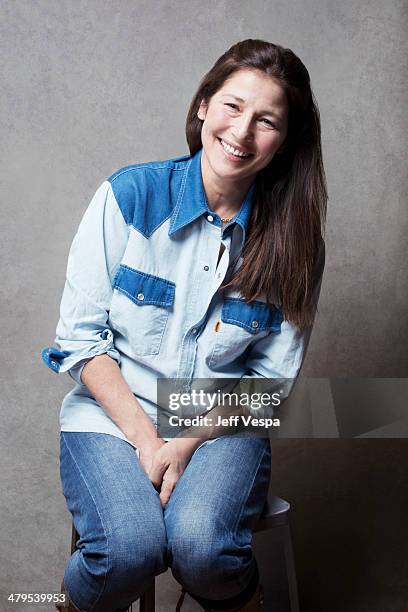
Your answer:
<point x="91" y="86"/>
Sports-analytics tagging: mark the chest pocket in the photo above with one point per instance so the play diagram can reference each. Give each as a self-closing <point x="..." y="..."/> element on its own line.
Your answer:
<point x="241" y="324"/>
<point x="140" y="308"/>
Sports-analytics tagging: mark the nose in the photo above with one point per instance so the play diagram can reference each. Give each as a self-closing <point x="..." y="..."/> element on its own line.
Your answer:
<point x="243" y="129"/>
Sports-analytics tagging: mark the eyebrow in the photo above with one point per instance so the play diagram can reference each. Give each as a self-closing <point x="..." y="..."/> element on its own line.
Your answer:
<point x="264" y="112"/>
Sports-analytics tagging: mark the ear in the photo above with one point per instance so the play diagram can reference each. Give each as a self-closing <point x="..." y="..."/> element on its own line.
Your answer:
<point x="202" y="110"/>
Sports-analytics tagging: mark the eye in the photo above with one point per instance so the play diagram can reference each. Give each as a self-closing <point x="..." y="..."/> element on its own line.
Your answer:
<point x="234" y="106"/>
<point x="269" y="123"/>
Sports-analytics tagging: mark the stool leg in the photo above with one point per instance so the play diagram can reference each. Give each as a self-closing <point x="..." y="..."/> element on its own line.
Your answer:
<point x="74" y="539"/>
<point x="147" y="600"/>
<point x="290" y="570"/>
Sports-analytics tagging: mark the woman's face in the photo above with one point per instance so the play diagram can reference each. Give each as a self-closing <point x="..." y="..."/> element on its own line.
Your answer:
<point x="245" y="123"/>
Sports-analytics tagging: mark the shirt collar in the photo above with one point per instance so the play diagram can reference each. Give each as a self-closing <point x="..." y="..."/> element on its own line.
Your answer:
<point x="192" y="201"/>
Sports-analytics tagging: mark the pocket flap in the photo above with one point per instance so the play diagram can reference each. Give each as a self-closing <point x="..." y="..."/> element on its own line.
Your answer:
<point x="143" y="288"/>
<point x="253" y="316"/>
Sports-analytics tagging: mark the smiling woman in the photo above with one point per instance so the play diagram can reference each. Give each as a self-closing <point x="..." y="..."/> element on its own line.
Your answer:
<point x="249" y="136"/>
<point x="204" y="266"/>
<point x="257" y="99"/>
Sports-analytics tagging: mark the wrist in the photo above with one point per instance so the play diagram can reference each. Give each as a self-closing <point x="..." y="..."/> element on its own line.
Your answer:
<point x="145" y="436"/>
<point x="190" y="443"/>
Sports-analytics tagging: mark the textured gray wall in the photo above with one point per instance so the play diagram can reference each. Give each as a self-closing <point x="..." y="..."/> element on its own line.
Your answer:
<point x="91" y="86"/>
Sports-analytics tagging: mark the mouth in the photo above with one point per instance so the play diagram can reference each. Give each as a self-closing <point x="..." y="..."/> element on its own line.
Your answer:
<point x="232" y="152"/>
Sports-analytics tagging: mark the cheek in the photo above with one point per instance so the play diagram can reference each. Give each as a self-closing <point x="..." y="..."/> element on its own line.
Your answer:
<point x="270" y="145"/>
<point x="206" y="131"/>
<point x="217" y="121"/>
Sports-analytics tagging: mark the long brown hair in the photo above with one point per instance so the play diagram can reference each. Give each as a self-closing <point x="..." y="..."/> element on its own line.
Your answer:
<point x="284" y="245"/>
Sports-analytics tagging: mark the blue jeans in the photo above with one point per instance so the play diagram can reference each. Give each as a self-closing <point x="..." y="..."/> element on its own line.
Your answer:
<point x="126" y="538"/>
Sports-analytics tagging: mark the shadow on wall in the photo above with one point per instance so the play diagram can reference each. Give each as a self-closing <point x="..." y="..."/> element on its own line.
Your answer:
<point x="349" y="497"/>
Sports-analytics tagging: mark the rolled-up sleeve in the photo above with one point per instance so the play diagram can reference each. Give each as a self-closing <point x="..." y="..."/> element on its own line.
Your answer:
<point x="279" y="357"/>
<point x="95" y="255"/>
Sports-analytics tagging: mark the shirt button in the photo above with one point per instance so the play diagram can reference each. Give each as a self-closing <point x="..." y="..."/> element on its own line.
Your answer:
<point x="210" y="218"/>
<point x="140" y="296"/>
<point x="206" y="268"/>
<point x="194" y="330"/>
<point x="255" y="324"/>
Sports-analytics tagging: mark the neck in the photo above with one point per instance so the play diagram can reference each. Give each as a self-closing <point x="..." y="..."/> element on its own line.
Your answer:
<point x="224" y="196"/>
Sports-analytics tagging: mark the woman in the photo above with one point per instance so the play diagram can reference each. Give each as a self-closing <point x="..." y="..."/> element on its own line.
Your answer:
<point x="203" y="266"/>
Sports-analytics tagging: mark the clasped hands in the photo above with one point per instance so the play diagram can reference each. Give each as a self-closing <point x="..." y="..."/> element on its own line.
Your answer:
<point x="164" y="462"/>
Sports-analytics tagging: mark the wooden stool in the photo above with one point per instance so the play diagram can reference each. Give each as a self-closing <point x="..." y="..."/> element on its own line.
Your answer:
<point x="275" y="514"/>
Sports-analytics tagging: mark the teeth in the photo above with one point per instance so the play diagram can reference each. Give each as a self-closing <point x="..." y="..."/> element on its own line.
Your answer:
<point x="235" y="152"/>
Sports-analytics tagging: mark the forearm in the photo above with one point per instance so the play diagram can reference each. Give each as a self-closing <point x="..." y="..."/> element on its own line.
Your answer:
<point x="212" y="429"/>
<point x="103" y="378"/>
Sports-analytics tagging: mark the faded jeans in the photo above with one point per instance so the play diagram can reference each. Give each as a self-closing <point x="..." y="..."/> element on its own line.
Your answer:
<point x="126" y="537"/>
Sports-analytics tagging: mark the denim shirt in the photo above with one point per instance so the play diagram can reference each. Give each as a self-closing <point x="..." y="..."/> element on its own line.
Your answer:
<point x="142" y="286"/>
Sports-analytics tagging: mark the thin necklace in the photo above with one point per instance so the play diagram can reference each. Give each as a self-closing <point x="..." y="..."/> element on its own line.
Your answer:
<point x="225" y="220"/>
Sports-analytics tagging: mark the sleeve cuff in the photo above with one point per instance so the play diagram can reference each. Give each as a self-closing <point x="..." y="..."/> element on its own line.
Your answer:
<point x="76" y="371"/>
<point x="73" y="363"/>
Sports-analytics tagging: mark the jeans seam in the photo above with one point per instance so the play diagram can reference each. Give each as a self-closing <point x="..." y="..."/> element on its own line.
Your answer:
<point x="248" y="491"/>
<point x="100" y="518"/>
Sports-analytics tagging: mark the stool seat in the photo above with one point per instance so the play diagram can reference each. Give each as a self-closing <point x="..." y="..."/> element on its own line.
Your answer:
<point x="275" y="512"/>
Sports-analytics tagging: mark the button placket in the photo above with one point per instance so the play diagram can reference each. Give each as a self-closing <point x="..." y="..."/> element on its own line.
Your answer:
<point x="206" y="249"/>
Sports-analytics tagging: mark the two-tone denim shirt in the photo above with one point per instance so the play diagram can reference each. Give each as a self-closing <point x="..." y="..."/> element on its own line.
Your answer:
<point x="142" y="286"/>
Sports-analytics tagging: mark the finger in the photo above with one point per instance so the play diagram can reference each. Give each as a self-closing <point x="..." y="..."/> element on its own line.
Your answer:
<point x="166" y="490"/>
<point x="156" y="472"/>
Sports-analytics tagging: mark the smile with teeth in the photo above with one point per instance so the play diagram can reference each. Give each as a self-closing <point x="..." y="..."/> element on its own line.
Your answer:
<point x="229" y="149"/>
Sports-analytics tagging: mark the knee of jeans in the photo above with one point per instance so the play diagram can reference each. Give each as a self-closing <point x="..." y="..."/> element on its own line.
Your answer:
<point x="203" y="556"/>
<point x="137" y="550"/>
<point x="128" y="550"/>
<point x="116" y="563"/>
